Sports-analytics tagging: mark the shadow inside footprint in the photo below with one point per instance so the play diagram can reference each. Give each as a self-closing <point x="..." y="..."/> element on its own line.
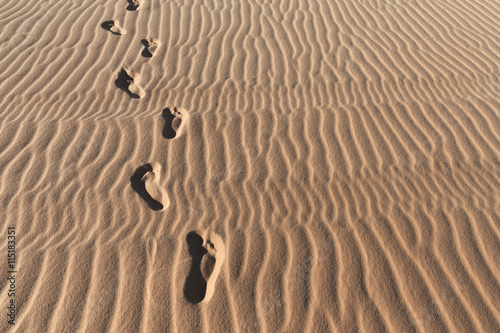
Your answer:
<point x="146" y="53"/>
<point x="107" y="25"/>
<point x="168" y="130"/>
<point x="123" y="82"/>
<point x="132" y="6"/>
<point x="196" y="286"/>
<point x="139" y="186"/>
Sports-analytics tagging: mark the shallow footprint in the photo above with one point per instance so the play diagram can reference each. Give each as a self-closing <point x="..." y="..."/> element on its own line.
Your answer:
<point x="114" y="27"/>
<point x="146" y="182"/>
<point x="175" y="119"/>
<point x="128" y="81"/>
<point x="208" y="253"/>
<point x="133" y="5"/>
<point x="150" y="47"/>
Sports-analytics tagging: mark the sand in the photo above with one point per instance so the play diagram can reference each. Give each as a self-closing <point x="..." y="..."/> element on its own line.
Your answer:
<point x="345" y="152"/>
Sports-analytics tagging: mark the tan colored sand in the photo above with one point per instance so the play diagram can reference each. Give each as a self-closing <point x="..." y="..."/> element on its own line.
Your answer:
<point x="346" y="152"/>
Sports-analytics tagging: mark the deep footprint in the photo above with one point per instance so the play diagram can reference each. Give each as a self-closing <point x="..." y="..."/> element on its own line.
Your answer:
<point x="114" y="27"/>
<point x="175" y="120"/>
<point x="128" y="81"/>
<point x="133" y="5"/>
<point x="146" y="182"/>
<point x="150" y="47"/>
<point x="208" y="253"/>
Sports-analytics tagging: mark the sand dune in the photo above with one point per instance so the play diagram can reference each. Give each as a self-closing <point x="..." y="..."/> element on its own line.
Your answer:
<point x="345" y="152"/>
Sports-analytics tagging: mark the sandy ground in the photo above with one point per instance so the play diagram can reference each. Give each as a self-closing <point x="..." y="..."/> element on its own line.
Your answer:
<point x="250" y="166"/>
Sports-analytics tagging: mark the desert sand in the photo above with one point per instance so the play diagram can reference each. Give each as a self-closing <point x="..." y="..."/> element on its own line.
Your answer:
<point x="250" y="166"/>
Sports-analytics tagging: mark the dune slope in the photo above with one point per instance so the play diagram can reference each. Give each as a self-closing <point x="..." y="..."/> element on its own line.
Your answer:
<point x="346" y="152"/>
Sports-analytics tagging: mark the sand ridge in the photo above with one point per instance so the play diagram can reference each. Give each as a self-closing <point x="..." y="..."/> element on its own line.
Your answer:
<point x="114" y="27"/>
<point x="207" y="250"/>
<point x="133" y="5"/>
<point x="146" y="181"/>
<point x="175" y="120"/>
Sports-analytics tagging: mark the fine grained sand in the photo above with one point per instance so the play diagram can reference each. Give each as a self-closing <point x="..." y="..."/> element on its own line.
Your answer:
<point x="346" y="152"/>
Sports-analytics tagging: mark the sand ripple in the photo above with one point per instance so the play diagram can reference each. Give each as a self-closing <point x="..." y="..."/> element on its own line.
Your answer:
<point x="346" y="151"/>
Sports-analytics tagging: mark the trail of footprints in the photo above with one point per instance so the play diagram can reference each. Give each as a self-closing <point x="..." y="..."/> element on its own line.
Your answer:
<point x="127" y="79"/>
<point x="206" y="247"/>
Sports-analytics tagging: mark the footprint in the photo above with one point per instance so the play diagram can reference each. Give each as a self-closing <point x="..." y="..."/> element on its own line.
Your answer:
<point x="133" y="5"/>
<point x="208" y="253"/>
<point x="128" y="81"/>
<point x="150" y="46"/>
<point x="146" y="182"/>
<point x="114" y="27"/>
<point x="175" y="118"/>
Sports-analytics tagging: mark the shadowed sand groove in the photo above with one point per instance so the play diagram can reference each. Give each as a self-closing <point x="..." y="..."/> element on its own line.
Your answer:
<point x="346" y="151"/>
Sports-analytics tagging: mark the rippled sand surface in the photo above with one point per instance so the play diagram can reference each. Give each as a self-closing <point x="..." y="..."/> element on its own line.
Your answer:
<point x="251" y="166"/>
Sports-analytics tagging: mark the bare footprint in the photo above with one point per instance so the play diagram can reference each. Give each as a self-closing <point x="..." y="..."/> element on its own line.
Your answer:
<point x="175" y="119"/>
<point x="114" y="27"/>
<point x="150" y="47"/>
<point x="208" y="253"/>
<point x="151" y="181"/>
<point x="146" y="182"/>
<point x="129" y="81"/>
<point x="133" y="5"/>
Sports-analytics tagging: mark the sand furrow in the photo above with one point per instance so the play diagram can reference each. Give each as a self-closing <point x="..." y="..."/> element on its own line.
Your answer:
<point x="129" y="278"/>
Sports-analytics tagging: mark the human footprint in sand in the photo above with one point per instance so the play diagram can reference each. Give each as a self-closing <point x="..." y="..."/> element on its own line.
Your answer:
<point x="151" y="181"/>
<point x="150" y="46"/>
<point x="146" y="182"/>
<point x="114" y="27"/>
<point x="133" y="5"/>
<point x="208" y="252"/>
<point x="175" y="120"/>
<point x="129" y="81"/>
